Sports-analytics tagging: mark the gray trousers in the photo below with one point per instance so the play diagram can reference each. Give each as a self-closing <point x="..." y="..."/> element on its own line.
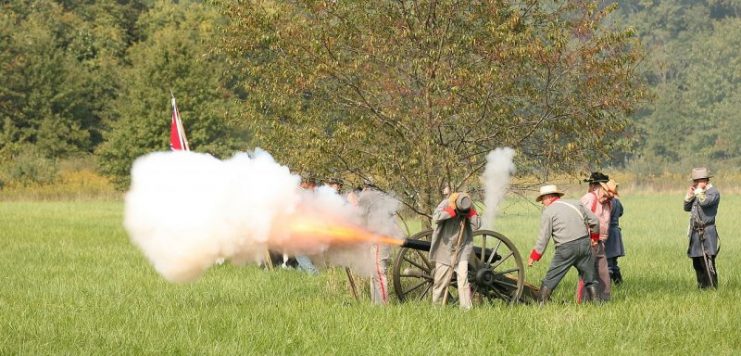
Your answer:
<point x="442" y="274"/>
<point x="577" y="253"/>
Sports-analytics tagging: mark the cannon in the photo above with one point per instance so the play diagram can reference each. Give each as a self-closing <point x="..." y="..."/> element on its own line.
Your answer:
<point x="495" y="270"/>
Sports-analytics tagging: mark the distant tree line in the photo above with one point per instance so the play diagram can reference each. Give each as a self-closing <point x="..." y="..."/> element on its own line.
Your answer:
<point x="693" y="65"/>
<point x="372" y="89"/>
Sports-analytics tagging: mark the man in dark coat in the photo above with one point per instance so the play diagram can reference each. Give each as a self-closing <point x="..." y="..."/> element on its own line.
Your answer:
<point x="702" y="200"/>
<point x="614" y="247"/>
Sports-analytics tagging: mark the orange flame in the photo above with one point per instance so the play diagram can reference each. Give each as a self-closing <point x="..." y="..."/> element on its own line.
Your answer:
<point x="338" y="233"/>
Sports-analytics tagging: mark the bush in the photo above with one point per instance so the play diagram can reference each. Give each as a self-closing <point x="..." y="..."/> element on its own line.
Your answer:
<point x="34" y="177"/>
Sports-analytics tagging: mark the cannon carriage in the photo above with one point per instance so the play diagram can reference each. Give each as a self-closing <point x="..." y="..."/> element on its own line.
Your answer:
<point x="496" y="272"/>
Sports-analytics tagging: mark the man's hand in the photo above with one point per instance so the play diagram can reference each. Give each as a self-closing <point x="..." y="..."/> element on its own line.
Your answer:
<point x="530" y="261"/>
<point x="451" y="200"/>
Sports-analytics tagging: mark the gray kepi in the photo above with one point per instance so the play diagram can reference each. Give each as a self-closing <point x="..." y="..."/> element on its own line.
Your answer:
<point x="463" y="202"/>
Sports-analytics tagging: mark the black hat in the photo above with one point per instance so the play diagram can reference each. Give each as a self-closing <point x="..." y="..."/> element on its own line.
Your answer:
<point x="597" y="177"/>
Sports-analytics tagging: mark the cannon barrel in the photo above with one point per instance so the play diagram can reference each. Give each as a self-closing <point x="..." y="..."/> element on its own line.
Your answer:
<point x="420" y="245"/>
<point x="423" y="245"/>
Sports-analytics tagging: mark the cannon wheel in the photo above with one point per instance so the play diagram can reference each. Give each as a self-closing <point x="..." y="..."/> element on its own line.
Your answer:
<point x="412" y="271"/>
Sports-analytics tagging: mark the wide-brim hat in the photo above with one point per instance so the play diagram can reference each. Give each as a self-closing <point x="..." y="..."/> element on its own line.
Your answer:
<point x="700" y="173"/>
<point x="611" y="187"/>
<point x="597" y="177"/>
<point x="548" y="189"/>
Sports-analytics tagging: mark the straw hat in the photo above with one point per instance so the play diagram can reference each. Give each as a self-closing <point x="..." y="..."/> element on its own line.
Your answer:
<point x="700" y="173"/>
<point x="611" y="187"/>
<point x="548" y="189"/>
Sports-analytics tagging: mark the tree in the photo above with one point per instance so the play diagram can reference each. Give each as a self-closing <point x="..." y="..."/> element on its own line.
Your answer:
<point x="414" y="94"/>
<point x="174" y="54"/>
<point x="692" y="66"/>
<point x="59" y="72"/>
<point x="43" y="92"/>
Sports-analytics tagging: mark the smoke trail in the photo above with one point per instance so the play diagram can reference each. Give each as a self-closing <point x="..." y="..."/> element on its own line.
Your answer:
<point x="187" y="210"/>
<point x="496" y="179"/>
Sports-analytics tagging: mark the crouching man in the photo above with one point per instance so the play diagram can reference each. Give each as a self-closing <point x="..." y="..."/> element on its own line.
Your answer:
<point x="566" y="222"/>
<point x="452" y="243"/>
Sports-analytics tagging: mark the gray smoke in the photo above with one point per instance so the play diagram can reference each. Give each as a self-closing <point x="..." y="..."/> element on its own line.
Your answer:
<point x="496" y="178"/>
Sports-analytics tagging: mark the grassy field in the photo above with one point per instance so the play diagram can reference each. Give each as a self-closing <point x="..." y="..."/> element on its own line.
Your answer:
<point x="72" y="283"/>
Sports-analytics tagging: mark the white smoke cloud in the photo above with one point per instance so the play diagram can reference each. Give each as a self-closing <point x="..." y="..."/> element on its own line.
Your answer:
<point x="187" y="210"/>
<point x="496" y="178"/>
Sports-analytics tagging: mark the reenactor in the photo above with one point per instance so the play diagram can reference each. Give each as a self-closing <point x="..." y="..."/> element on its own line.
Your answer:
<point x="701" y="201"/>
<point x="565" y="222"/>
<point x="452" y="244"/>
<point x="597" y="201"/>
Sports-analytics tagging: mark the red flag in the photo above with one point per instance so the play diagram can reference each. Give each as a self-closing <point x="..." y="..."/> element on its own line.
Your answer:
<point x="178" y="141"/>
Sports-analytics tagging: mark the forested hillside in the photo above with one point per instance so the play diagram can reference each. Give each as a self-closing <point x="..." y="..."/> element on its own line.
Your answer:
<point x="90" y="82"/>
<point x="693" y="65"/>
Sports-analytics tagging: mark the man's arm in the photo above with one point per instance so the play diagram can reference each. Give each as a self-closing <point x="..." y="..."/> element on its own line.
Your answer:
<point x="689" y="198"/>
<point x="591" y="220"/>
<point x="709" y="198"/>
<point x="474" y="219"/>
<point x="443" y="212"/>
<point x="546" y="231"/>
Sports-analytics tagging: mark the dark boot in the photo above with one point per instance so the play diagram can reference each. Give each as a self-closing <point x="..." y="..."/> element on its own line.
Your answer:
<point x="702" y="279"/>
<point x="618" y="277"/>
<point x="545" y="295"/>
<point x="590" y="293"/>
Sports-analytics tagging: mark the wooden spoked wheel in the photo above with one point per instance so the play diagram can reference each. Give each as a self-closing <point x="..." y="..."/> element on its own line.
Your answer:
<point x="495" y="269"/>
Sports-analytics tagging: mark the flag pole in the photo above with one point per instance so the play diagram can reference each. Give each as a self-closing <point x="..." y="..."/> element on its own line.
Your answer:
<point x="179" y="123"/>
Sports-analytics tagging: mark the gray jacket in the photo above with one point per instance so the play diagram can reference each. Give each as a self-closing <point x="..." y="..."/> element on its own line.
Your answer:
<point x="564" y="221"/>
<point x="447" y="229"/>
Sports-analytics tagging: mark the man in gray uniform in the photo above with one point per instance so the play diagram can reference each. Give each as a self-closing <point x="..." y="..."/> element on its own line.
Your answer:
<point x="702" y="200"/>
<point x="452" y="243"/>
<point x="566" y="222"/>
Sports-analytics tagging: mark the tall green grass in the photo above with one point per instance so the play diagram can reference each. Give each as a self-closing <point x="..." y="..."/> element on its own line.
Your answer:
<point x="72" y="283"/>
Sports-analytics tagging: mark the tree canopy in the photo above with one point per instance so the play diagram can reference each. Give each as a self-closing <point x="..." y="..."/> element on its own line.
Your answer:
<point x="409" y="94"/>
<point x="414" y="94"/>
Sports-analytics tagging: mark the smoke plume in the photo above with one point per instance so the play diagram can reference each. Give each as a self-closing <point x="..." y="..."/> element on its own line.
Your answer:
<point x="497" y="176"/>
<point x="187" y="210"/>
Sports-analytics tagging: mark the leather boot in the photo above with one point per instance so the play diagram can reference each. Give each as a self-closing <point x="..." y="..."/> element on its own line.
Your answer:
<point x="545" y="295"/>
<point x="702" y="279"/>
<point x="618" y="278"/>
<point x="590" y="293"/>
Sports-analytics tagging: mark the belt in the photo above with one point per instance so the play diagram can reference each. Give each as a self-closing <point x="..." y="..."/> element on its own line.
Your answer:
<point x="575" y="240"/>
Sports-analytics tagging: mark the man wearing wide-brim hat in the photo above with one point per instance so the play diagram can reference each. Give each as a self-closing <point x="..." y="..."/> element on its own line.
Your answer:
<point x="597" y="201"/>
<point x="565" y="221"/>
<point x="702" y="200"/>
